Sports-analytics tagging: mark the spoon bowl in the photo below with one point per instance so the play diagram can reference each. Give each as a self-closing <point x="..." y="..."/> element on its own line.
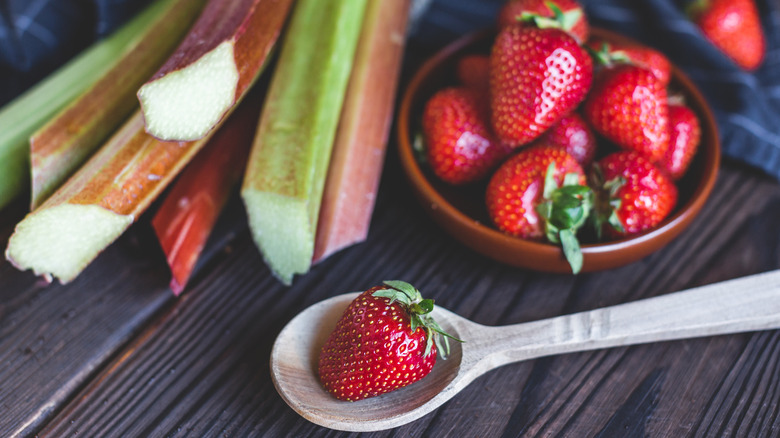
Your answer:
<point x="745" y="304"/>
<point x="294" y="370"/>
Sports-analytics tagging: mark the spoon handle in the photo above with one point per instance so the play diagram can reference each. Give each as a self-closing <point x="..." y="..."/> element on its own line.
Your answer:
<point x="744" y="304"/>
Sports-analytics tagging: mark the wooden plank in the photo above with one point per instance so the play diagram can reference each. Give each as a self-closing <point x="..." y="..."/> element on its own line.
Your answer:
<point x="202" y="368"/>
<point x="54" y="339"/>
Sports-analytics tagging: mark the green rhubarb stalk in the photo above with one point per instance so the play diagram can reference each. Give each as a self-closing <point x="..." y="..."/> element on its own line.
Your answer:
<point x="284" y="181"/>
<point x="22" y="116"/>
<point x="59" y="147"/>
<point x="361" y="140"/>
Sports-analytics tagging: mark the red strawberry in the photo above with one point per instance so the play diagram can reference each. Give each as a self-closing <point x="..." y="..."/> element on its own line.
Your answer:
<point x="637" y="54"/>
<point x="574" y="135"/>
<point x="459" y="146"/>
<point x="636" y="195"/>
<point x="628" y="105"/>
<point x="384" y="341"/>
<point x="515" y="11"/>
<point x="539" y="193"/>
<point x="685" y="134"/>
<point x="473" y="72"/>
<point x="537" y="76"/>
<point x="734" y="27"/>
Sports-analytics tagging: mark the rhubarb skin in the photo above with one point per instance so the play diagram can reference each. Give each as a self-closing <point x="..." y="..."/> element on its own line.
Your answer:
<point x="285" y="177"/>
<point x="361" y="140"/>
<point x="24" y="115"/>
<point x="189" y="211"/>
<point x="216" y="63"/>
<point x="98" y="203"/>
<point x="59" y="147"/>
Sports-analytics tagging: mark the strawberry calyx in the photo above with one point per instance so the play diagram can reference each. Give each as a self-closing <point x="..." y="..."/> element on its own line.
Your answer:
<point x="606" y="57"/>
<point x="607" y="201"/>
<point x="419" y="310"/>
<point x="565" y="210"/>
<point x="564" y="21"/>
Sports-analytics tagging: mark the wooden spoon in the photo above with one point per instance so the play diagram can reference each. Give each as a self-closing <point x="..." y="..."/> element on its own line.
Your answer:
<point x="740" y="305"/>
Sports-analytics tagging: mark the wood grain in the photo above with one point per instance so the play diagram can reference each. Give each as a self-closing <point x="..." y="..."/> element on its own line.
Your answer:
<point x="200" y="368"/>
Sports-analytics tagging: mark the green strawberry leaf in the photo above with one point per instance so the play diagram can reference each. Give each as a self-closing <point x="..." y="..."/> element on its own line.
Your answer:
<point x="549" y="181"/>
<point x="425" y="306"/>
<point x="418" y="148"/>
<point x="571" y="250"/>
<point x="571" y="179"/>
<point x="614" y="220"/>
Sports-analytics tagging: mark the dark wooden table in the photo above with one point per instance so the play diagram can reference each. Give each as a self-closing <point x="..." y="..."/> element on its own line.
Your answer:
<point x="114" y="353"/>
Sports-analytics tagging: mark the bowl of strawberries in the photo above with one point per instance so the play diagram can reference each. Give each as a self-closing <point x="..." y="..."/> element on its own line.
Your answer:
<point x="554" y="146"/>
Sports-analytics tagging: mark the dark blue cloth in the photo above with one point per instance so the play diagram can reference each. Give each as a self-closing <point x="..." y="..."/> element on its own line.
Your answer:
<point x="37" y="36"/>
<point x="746" y="105"/>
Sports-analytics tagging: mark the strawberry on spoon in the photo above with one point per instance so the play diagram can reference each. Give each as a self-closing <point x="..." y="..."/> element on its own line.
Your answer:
<point x="385" y="340"/>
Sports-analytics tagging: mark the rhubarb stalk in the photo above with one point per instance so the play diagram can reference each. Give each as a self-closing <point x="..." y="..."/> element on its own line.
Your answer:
<point x="215" y="64"/>
<point x="98" y="203"/>
<point x="285" y="177"/>
<point x="186" y="217"/>
<point x="359" y="149"/>
<point x="22" y="116"/>
<point x="66" y="141"/>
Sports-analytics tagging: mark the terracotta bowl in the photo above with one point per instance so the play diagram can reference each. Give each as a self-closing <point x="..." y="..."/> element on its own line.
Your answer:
<point x="461" y="210"/>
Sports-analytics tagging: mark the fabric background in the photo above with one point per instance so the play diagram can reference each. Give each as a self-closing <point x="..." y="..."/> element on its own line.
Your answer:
<point x="38" y="35"/>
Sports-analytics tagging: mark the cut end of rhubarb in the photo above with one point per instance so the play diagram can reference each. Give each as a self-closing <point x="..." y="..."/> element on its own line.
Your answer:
<point x="173" y="111"/>
<point x="52" y="243"/>
<point x="281" y="230"/>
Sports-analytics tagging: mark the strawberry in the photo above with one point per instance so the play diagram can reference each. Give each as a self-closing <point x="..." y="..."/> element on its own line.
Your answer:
<point x="459" y="146"/>
<point x="573" y="134"/>
<point x="570" y="11"/>
<point x="637" y="54"/>
<point x="734" y="27"/>
<point x="540" y="193"/>
<point x="634" y="195"/>
<point x="685" y="133"/>
<point x="628" y="105"/>
<point x="384" y="341"/>
<point x="537" y="76"/>
<point x="473" y="71"/>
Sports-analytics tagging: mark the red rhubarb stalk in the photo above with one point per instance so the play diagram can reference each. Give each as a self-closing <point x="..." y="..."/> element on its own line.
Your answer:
<point x="214" y="66"/>
<point x="98" y="203"/>
<point x="187" y="215"/>
<point x="67" y="140"/>
<point x="359" y="148"/>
